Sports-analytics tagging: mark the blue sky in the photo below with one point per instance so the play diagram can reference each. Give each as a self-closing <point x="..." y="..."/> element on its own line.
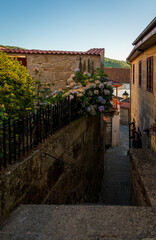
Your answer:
<point x="75" y="25"/>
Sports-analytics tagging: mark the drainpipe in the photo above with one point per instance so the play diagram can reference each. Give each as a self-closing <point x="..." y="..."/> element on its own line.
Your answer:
<point x="130" y="101"/>
<point x="116" y="97"/>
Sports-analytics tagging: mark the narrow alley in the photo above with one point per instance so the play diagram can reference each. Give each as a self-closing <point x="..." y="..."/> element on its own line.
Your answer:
<point x="116" y="182"/>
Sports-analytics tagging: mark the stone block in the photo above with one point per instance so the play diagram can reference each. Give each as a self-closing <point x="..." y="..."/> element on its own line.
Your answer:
<point x="42" y="179"/>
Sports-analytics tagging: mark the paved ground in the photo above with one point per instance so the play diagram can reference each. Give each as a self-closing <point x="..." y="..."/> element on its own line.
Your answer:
<point x="67" y="222"/>
<point x="116" y="181"/>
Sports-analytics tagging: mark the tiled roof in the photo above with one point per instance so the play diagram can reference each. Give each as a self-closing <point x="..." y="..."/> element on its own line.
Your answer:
<point x="93" y="51"/>
<point x="118" y="75"/>
<point x="125" y="105"/>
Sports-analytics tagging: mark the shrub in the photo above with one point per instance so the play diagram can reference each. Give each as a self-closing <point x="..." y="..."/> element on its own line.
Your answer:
<point x="93" y="92"/>
<point x="16" y="86"/>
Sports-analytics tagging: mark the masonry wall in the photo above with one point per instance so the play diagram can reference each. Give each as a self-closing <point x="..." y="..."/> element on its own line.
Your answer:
<point x="57" y="68"/>
<point x="108" y="139"/>
<point x="143" y="102"/>
<point x="143" y="181"/>
<point x="124" y="116"/>
<point x="41" y="179"/>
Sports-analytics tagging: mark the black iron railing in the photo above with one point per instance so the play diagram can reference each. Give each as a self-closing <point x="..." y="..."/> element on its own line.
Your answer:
<point x="19" y="136"/>
<point x="135" y="137"/>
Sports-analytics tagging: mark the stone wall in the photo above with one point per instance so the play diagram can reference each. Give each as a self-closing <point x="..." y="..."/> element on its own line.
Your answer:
<point x="42" y="179"/>
<point x="109" y="133"/>
<point x="143" y="180"/>
<point x="57" y="69"/>
<point x="124" y="116"/>
<point x="143" y="102"/>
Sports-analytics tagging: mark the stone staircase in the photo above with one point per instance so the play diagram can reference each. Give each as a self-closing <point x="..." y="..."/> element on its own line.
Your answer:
<point x="80" y="222"/>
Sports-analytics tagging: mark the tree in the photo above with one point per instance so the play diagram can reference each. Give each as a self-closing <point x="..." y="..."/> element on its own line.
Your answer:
<point x="16" y="86"/>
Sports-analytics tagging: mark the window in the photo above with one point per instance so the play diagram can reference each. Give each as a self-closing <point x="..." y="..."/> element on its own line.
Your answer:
<point x="133" y="73"/>
<point x="150" y="74"/>
<point x="140" y="73"/>
<point x="22" y="60"/>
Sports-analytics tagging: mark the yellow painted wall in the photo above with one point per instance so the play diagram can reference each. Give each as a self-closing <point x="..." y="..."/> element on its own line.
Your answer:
<point x="143" y="102"/>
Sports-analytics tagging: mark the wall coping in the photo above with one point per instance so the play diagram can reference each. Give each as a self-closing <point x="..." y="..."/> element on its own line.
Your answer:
<point x="144" y="161"/>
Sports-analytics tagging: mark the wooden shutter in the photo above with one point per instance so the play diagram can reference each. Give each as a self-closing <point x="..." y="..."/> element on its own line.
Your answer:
<point x="133" y="73"/>
<point x="151" y="74"/>
<point x="23" y="61"/>
<point x="140" y="73"/>
<point x="148" y="74"/>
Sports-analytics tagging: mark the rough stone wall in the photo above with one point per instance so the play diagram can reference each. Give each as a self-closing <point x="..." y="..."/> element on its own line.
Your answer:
<point x="42" y="179"/>
<point x="108" y="140"/>
<point x="143" y="181"/>
<point x="153" y="142"/>
<point x="143" y="102"/>
<point x="124" y="116"/>
<point x="57" y="69"/>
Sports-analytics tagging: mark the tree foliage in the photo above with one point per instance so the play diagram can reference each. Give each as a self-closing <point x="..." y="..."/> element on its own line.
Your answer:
<point x="115" y="63"/>
<point x="16" y="86"/>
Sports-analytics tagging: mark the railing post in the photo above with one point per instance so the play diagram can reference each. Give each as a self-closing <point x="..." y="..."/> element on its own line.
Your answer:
<point x="19" y="137"/>
<point x="4" y="143"/>
<point x="27" y="131"/>
<point x="23" y="134"/>
<point x="9" y="129"/>
<point x="14" y="138"/>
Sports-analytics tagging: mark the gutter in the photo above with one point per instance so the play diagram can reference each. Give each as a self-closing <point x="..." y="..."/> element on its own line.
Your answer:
<point x="146" y="39"/>
<point x="145" y="31"/>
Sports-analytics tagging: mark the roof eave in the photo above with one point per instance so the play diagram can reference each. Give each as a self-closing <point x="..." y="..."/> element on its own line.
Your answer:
<point x="142" y="46"/>
<point x="145" y="31"/>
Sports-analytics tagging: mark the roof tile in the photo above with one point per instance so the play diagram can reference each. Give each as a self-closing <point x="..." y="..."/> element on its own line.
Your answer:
<point x="93" y="51"/>
<point x="125" y="105"/>
<point x="118" y="75"/>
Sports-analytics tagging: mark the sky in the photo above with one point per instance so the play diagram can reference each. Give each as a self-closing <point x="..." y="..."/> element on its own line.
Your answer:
<point x="75" y="25"/>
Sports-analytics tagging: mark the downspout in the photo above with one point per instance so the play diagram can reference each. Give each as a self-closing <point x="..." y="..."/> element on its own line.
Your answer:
<point x="130" y="103"/>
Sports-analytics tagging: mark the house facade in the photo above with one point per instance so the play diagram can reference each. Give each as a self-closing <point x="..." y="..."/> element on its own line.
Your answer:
<point x="143" y="84"/>
<point x="56" y="66"/>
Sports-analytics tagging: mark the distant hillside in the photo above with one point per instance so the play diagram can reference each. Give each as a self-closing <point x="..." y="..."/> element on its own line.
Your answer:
<point x="115" y="63"/>
<point x="12" y="47"/>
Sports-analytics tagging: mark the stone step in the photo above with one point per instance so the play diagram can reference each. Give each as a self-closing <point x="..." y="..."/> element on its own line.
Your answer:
<point x="82" y="222"/>
<point x="16" y="236"/>
<point x="12" y="236"/>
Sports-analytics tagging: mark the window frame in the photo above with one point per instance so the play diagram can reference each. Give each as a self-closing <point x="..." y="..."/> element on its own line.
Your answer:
<point x="140" y="73"/>
<point x="133" y="73"/>
<point x="149" y="86"/>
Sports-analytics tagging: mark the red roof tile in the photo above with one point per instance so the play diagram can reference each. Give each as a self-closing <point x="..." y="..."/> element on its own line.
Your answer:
<point x="125" y="105"/>
<point x="118" y="75"/>
<point x="93" y="51"/>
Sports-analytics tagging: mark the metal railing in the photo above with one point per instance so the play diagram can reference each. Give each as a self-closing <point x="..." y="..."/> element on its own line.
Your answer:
<point x="135" y="140"/>
<point x="19" y="136"/>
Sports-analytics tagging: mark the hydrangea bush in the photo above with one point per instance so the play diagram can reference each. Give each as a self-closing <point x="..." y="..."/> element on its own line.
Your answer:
<point x="93" y="92"/>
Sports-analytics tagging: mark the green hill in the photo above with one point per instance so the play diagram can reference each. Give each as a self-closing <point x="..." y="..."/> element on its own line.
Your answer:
<point x="115" y="63"/>
<point x="12" y="47"/>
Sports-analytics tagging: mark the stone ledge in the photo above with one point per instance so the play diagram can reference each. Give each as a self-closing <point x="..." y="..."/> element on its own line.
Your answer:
<point x="143" y="173"/>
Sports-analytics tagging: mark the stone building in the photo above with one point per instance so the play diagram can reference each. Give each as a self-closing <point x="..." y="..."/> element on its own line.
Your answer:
<point x="125" y="113"/>
<point x="57" y="66"/>
<point x="143" y="84"/>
